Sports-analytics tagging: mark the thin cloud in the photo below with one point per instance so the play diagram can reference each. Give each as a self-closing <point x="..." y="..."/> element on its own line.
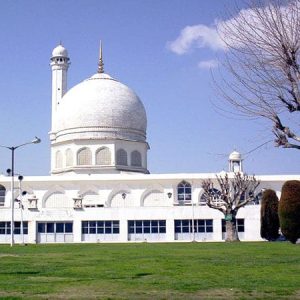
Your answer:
<point x="197" y="36"/>
<point x="208" y="64"/>
<point x="216" y="36"/>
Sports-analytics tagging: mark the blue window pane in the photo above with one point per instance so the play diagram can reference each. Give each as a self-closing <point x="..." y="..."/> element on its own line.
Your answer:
<point x="209" y="229"/>
<point x="50" y="227"/>
<point x="154" y="223"/>
<point x="139" y="230"/>
<point x="116" y="230"/>
<point x="59" y="227"/>
<point x="107" y="229"/>
<point x="92" y="223"/>
<point x="178" y="229"/>
<point x="162" y="223"/>
<point x="68" y="227"/>
<point x="186" y="229"/>
<point x="154" y="229"/>
<point x="185" y="223"/>
<point x="138" y="223"/>
<point x="41" y="227"/>
<point x="92" y="230"/>
<point x="108" y="224"/>
<point x="100" y="230"/>
<point x="147" y="223"/>
<point x="84" y="223"/>
<point x="201" y="229"/>
<point x="100" y="223"/>
<point x="180" y="190"/>
<point x="130" y="223"/>
<point x="162" y="229"/>
<point x="85" y="230"/>
<point x="17" y="230"/>
<point x="201" y="222"/>
<point x="209" y="222"/>
<point x="146" y="229"/>
<point x="2" y="231"/>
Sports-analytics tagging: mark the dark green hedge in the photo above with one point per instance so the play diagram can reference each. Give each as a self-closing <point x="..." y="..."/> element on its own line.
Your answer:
<point x="289" y="210"/>
<point x="269" y="220"/>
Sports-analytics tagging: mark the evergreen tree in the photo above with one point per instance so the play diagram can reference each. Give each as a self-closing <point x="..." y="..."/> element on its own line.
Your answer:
<point x="289" y="210"/>
<point x="269" y="219"/>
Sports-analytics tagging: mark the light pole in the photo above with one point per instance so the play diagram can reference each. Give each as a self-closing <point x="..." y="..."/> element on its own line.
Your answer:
<point x="36" y="140"/>
<point x="21" y="194"/>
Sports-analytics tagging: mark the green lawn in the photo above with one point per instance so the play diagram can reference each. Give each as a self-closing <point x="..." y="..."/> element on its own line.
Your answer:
<point x="156" y="271"/>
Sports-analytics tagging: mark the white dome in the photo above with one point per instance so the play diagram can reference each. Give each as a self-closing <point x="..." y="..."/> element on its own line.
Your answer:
<point x="101" y="107"/>
<point x="235" y="156"/>
<point x="60" y="51"/>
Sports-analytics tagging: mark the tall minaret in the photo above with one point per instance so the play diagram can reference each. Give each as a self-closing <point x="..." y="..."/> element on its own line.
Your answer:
<point x="59" y="63"/>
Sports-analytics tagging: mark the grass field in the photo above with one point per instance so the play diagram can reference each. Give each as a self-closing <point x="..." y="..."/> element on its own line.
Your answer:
<point x="156" y="271"/>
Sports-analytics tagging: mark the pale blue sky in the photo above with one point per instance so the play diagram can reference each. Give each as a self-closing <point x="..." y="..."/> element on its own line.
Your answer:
<point x="185" y="132"/>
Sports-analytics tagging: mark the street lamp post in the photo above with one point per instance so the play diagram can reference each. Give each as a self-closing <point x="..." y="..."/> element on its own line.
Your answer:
<point x="36" y="140"/>
<point x="21" y="194"/>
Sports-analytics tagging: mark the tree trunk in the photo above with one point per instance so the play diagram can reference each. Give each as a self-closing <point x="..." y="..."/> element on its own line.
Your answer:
<point x="231" y="231"/>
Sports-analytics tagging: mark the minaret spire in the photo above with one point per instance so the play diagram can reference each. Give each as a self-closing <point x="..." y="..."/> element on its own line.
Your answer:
<point x="100" y="64"/>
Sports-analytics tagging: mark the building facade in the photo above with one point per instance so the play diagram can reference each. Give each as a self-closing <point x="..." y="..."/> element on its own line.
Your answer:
<point x="100" y="189"/>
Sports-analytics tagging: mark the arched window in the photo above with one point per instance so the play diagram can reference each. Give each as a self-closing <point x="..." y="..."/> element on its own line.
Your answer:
<point x="103" y="156"/>
<point x="184" y="191"/>
<point x="84" y="157"/>
<point x="2" y="195"/>
<point x="122" y="157"/>
<point x="58" y="160"/>
<point x="136" y="159"/>
<point x="69" y="158"/>
<point x="217" y="197"/>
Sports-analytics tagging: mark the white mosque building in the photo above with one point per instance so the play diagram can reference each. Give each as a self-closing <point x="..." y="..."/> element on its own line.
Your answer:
<point x="100" y="189"/>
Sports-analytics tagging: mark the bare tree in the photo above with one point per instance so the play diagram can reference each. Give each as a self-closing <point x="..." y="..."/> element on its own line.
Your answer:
<point x="262" y="74"/>
<point x="233" y="194"/>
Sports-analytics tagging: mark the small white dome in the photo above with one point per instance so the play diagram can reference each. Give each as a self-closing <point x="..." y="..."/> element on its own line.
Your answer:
<point x="235" y="156"/>
<point x="101" y="108"/>
<point x="60" y="51"/>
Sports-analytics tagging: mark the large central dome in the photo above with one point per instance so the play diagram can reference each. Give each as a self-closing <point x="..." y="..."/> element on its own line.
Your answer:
<point x="98" y="126"/>
<point x="102" y="107"/>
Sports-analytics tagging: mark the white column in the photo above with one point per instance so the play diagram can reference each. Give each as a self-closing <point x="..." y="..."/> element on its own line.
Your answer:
<point x="123" y="229"/>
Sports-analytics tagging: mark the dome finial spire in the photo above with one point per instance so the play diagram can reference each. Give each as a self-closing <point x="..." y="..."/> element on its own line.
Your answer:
<point x="100" y="64"/>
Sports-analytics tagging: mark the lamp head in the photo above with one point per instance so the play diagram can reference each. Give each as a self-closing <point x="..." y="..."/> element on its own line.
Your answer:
<point x="36" y="140"/>
<point x="20" y="177"/>
<point x="169" y="195"/>
<point x="123" y="195"/>
<point x="8" y="171"/>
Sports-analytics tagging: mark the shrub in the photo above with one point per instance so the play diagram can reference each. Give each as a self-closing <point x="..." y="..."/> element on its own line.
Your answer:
<point x="289" y="210"/>
<point x="269" y="220"/>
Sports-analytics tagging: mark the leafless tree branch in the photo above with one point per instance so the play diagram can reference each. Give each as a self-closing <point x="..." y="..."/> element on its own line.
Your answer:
<point x="262" y="61"/>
